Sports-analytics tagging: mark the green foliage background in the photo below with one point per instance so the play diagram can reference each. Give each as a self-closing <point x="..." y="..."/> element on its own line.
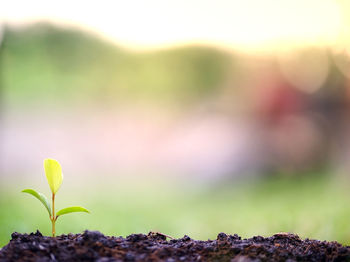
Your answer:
<point x="47" y="64"/>
<point x="48" y="67"/>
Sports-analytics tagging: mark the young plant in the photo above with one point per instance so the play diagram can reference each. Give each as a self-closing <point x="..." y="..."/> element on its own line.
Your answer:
<point x="54" y="177"/>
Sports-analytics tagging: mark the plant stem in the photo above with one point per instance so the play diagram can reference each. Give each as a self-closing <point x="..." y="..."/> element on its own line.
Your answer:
<point x="53" y="219"/>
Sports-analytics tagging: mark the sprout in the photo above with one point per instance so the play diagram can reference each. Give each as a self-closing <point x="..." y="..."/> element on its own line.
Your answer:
<point x="54" y="177"/>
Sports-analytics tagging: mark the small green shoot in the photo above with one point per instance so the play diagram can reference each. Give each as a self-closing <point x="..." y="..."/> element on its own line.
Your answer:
<point x="54" y="177"/>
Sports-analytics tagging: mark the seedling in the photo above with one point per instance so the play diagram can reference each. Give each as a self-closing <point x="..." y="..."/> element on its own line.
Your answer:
<point x="54" y="177"/>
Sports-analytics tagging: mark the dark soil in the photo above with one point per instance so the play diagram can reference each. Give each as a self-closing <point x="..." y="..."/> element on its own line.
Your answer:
<point x="94" y="246"/>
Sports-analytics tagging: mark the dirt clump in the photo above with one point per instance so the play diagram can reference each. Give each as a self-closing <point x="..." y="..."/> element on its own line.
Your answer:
<point x="94" y="246"/>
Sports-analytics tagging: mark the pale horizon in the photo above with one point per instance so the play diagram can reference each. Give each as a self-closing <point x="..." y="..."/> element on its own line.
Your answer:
<point x="249" y="26"/>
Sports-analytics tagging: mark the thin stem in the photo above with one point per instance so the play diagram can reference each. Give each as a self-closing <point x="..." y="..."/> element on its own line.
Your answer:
<point x="53" y="218"/>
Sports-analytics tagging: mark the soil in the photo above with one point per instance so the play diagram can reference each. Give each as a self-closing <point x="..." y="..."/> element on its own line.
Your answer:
<point x="94" y="246"/>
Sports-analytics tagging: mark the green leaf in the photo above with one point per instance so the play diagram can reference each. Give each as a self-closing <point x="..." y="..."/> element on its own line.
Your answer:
<point x="68" y="210"/>
<point x="53" y="173"/>
<point x="39" y="196"/>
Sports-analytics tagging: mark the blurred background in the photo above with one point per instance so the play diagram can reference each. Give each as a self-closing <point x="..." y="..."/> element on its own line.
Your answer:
<point x="184" y="117"/>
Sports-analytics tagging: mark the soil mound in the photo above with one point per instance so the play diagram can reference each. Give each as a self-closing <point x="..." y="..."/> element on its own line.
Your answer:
<point x="94" y="246"/>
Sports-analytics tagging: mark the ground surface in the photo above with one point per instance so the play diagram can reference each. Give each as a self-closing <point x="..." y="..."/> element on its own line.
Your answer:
<point x="94" y="246"/>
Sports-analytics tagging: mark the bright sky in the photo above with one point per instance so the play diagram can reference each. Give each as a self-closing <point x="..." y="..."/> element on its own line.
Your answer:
<point x="246" y="24"/>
